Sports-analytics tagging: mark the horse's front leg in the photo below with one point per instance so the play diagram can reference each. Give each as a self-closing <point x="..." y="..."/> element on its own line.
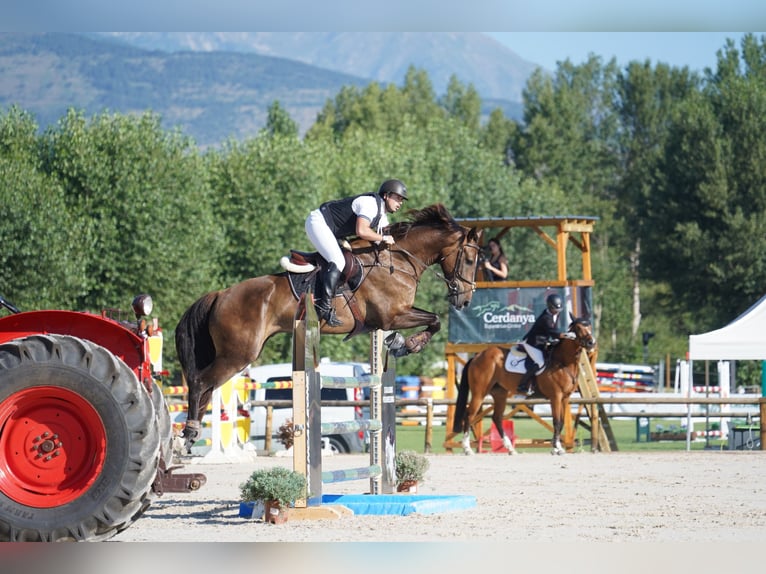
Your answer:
<point x="558" y="425"/>
<point x="557" y="415"/>
<point x="411" y="319"/>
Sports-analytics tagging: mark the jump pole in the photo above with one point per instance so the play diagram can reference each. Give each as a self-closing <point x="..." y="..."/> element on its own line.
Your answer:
<point x="307" y="408"/>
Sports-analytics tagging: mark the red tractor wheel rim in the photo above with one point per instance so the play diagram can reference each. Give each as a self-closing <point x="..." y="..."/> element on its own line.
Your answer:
<point x="52" y="446"/>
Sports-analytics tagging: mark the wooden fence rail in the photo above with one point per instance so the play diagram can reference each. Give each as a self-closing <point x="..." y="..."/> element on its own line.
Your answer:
<point x="759" y="410"/>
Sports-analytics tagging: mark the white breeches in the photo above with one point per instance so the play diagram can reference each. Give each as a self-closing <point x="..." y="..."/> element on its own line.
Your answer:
<point x="324" y="239"/>
<point x="535" y="353"/>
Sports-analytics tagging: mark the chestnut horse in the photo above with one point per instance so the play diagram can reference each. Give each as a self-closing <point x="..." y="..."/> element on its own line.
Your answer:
<point x="224" y="331"/>
<point x="485" y="374"/>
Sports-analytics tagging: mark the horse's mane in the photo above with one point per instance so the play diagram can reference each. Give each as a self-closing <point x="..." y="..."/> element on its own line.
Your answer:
<point x="433" y="216"/>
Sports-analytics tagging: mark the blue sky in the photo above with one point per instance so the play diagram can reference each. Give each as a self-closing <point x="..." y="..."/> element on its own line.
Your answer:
<point x="677" y="32"/>
<point x="393" y="15"/>
<point x="694" y="49"/>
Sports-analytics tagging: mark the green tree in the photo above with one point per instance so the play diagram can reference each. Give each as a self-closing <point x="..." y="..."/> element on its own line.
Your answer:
<point x="420" y="96"/>
<point x="142" y="195"/>
<point x="571" y="128"/>
<point x="463" y="104"/>
<point x="41" y="263"/>
<point x="40" y="237"/>
<point x="713" y="201"/>
<point x="646" y="98"/>
<point x="498" y="135"/>
<point x="279" y="121"/>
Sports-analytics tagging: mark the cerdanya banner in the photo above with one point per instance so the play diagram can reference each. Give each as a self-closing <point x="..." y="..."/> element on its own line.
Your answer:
<point x="499" y="315"/>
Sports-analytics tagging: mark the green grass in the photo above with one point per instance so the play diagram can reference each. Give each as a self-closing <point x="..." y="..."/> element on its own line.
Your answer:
<point x="413" y="437"/>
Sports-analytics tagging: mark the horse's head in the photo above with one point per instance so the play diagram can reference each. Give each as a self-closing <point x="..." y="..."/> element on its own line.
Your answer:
<point x="459" y="268"/>
<point x="433" y="236"/>
<point x="583" y="332"/>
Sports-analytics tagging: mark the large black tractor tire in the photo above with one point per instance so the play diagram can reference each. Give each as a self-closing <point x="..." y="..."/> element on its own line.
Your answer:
<point x="164" y="424"/>
<point x="79" y="441"/>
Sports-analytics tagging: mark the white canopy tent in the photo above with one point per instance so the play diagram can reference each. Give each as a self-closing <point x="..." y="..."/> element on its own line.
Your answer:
<point x="742" y="339"/>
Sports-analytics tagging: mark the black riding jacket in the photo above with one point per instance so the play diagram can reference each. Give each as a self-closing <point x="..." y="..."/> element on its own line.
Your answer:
<point x="544" y="329"/>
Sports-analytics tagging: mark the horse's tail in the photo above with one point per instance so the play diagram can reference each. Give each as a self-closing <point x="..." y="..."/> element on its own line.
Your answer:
<point x="462" y="401"/>
<point x="194" y="345"/>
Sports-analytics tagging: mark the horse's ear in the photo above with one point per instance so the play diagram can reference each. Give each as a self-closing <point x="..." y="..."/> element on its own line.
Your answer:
<point x="572" y="317"/>
<point x="474" y="234"/>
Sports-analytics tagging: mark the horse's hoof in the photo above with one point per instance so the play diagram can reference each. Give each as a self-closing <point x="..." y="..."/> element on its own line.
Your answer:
<point x="188" y="444"/>
<point x="190" y="434"/>
<point x="468" y="452"/>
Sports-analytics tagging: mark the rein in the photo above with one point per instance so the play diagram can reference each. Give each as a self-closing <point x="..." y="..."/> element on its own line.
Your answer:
<point x="582" y="342"/>
<point x="455" y="277"/>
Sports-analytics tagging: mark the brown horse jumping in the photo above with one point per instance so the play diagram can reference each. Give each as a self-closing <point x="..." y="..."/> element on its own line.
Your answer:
<point x="485" y="374"/>
<point x="224" y="331"/>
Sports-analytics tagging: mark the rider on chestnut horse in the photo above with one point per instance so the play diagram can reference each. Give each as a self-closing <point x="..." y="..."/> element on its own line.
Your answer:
<point x="538" y="341"/>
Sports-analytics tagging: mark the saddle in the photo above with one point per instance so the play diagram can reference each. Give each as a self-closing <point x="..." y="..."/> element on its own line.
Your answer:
<point x="303" y="267"/>
<point x="516" y="356"/>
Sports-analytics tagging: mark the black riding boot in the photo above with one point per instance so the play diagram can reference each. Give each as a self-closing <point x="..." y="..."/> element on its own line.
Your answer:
<point x="525" y="386"/>
<point x="325" y="294"/>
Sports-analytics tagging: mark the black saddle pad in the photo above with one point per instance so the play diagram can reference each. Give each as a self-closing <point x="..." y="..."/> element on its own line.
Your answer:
<point x="300" y="283"/>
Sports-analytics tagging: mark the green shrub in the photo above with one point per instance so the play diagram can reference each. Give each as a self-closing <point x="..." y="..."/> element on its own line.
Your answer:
<point x="410" y="466"/>
<point x="278" y="483"/>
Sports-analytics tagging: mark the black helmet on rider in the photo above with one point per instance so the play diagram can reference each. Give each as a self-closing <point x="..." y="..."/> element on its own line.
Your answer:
<point x="393" y="186"/>
<point x="554" y="303"/>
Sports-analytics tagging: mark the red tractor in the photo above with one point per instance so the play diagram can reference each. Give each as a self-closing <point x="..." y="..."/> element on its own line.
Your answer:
<point x="85" y="434"/>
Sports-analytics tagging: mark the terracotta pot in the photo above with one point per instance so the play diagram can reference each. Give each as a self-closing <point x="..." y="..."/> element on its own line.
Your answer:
<point x="274" y="513"/>
<point x="410" y="486"/>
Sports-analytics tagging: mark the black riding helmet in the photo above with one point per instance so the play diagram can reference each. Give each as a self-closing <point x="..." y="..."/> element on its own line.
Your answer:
<point x="393" y="186"/>
<point x="554" y="303"/>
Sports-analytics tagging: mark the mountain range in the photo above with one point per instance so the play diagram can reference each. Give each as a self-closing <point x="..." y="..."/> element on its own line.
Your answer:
<point x="215" y="86"/>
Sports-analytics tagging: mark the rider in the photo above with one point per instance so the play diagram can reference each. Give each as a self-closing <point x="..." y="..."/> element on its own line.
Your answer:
<point x="362" y="215"/>
<point x="538" y="338"/>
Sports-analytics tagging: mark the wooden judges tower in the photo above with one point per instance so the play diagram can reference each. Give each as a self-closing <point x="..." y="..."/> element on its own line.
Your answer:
<point x="516" y="300"/>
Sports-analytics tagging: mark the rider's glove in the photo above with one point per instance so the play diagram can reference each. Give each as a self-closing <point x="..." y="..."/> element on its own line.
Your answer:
<point x="389" y="239"/>
<point x="568" y="335"/>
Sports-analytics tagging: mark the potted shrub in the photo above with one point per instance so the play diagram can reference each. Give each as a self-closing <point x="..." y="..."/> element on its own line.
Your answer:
<point x="410" y="467"/>
<point x="277" y="488"/>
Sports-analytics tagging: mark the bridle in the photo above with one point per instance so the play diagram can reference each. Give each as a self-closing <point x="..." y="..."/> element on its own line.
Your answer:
<point x="452" y="279"/>
<point x="585" y="341"/>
